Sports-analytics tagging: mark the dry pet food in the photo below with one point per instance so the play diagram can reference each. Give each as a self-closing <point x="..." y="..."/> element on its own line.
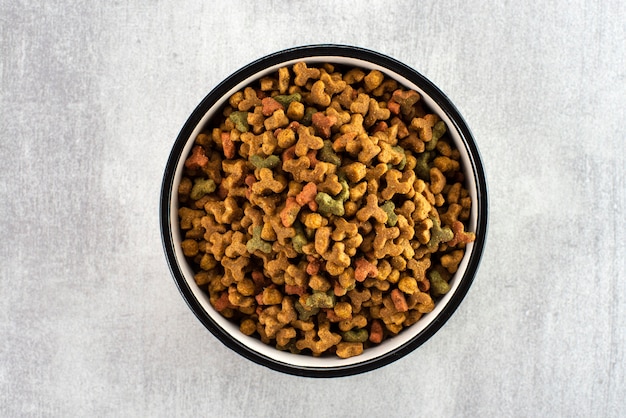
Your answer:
<point x="323" y="210"/>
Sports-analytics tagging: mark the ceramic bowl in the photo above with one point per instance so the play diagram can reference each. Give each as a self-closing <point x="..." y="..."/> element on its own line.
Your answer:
<point x="391" y="349"/>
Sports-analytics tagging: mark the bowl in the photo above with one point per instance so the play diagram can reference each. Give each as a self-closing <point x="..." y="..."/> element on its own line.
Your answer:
<point x="391" y="349"/>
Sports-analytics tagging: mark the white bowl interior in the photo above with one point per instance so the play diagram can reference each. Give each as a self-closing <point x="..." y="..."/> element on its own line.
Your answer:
<point x="386" y="346"/>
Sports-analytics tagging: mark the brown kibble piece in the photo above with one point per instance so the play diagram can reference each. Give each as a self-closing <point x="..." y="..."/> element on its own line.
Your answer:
<point x="424" y="126"/>
<point x="371" y="210"/>
<point x="349" y="349"/>
<point x="303" y="73"/>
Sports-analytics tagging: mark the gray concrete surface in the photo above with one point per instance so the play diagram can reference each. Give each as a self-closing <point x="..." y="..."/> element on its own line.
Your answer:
<point x="92" y="95"/>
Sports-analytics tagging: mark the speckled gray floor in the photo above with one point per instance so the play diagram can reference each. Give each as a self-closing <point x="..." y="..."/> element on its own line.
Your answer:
<point x="92" y="95"/>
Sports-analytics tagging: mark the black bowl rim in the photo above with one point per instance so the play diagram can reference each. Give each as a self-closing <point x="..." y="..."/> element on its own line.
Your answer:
<point x="303" y="52"/>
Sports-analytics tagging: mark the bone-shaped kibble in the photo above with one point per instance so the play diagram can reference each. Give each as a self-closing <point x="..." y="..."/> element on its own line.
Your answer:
<point x="198" y="159"/>
<point x="328" y="206"/>
<point x="240" y="119"/>
<point x="367" y="148"/>
<point x="283" y="233"/>
<point x="237" y="246"/>
<point x="452" y="260"/>
<point x="391" y="317"/>
<point x="383" y="236"/>
<point x="345" y="98"/>
<point x="375" y="113"/>
<point x="347" y="349"/>
<point x="338" y="255"/>
<point x="323" y="123"/>
<point x="344" y="229"/>
<point x="277" y="120"/>
<point x="224" y="212"/>
<point x="287" y="100"/>
<point x="404" y="99"/>
<point x="328" y="155"/>
<point x="333" y="84"/>
<point x="307" y="141"/>
<point x="391" y="155"/>
<point x="202" y="187"/>
<point x="304" y="73"/>
<point x="371" y="210"/>
<point x="289" y="214"/>
<point x="398" y="183"/>
<point x="460" y="236"/>
<point x="451" y="215"/>
<point x="360" y="105"/>
<point x="235" y="267"/>
<point x="235" y="170"/>
<point x="270" y="105"/>
<point x="438" y="235"/>
<point x="438" y="285"/>
<point x="267" y="183"/>
<point x="373" y="79"/>
<point x="364" y="269"/>
<point x="250" y="100"/>
<point x="256" y="120"/>
<point x="296" y="167"/>
<point x="256" y="243"/>
<point x="330" y="185"/>
<point x="446" y="164"/>
<point x="342" y="117"/>
<point x="268" y="319"/>
<point x="424" y="126"/>
<point x="319" y="341"/>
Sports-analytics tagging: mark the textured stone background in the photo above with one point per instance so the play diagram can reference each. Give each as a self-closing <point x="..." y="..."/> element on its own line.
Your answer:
<point x="92" y="95"/>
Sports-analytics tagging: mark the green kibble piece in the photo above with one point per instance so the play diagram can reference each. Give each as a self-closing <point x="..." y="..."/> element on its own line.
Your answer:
<point x="299" y="240"/>
<point x="270" y="162"/>
<point x="321" y="300"/>
<point x="256" y="243"/>
<point x="422" y="166"/>
<point x="438" y="235"/>
<point x="308" y="116"/>
<point x="389" y="208"/>
<point x="438" y="285"/>
<point x="305" y="313"/>
<point x="202" y="187"/>
<point x="328" y="155"/>
<point x="344" y="194"/>
<point x="240" y="119"/>
<point x="286" y="99"/>
<point x="328" y="206"/>
<point x="439" y="129"/>
<point x="402" y="163"/>
<point x="357" y="335"/>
